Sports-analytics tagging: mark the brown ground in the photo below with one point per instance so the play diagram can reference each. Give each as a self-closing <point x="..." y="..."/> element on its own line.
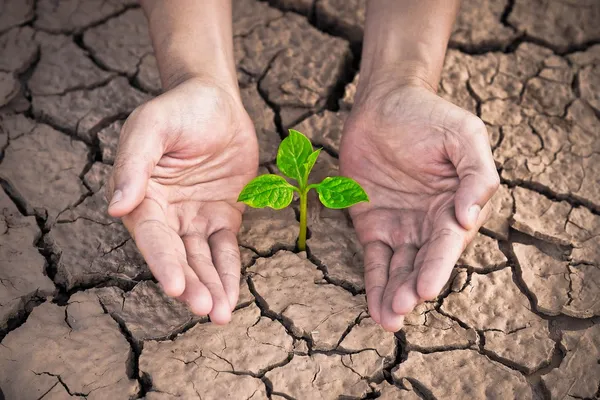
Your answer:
<point x="81" y="317"/>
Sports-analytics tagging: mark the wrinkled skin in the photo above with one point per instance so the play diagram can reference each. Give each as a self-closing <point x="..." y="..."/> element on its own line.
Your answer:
<point x="183" y="159"/>
<point x="428" y="169"/>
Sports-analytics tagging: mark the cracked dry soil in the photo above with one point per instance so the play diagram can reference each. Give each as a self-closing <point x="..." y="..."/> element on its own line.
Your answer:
<point x="80" y="316"/>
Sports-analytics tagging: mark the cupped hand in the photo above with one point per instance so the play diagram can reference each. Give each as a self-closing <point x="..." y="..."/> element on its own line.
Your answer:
<point x="183" y="159"/>
<point x="427" y="167"/>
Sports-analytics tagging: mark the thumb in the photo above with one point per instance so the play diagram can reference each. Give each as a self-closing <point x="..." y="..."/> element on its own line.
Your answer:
<point x="476" y="172"/>
<point x="141" y="146"/>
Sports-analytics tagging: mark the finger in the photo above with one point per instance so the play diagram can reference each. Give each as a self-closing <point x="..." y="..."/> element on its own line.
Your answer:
<point x="196" y="295"/>
<point x="476" y="171"/>
<point x="226" y="257"/>
<point x="140" y="149"/>
<point x="406" y="297"/>
<point x="377" y="263"/>
<point x="402" y="283"/>
<point x="160" y="246"/>
<point x="445" y="246"/>
<point x="199" y="259"/>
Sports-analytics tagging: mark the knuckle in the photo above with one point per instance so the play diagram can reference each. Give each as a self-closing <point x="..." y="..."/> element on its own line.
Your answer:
<point x="229" y="255"/>
<point x="433" y="260"/>
<point x="474" y="126"/>
<point x="493" y="182"/>
<point x="489" y="183"/>
<point x="215" y="288"/>
<point x="374" y="266"/>
<point x="150" y="223"/>
<point x="447" y="232"/>
<point x="229" y="275"/>
<point x="194" y="234"/>
<point x="144" y="111"/>
<point x="400" y="273"/>
<point x="197" y="258"/>
<point x="128" y="160"/>
<point x="120" y="161"/>
<point x="151" y="115"/>
<point x="371" y="289"/>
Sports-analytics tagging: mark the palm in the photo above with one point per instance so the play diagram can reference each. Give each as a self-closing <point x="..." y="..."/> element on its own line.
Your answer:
<point x="186" y="223"/>
<point x="406" y="156"/>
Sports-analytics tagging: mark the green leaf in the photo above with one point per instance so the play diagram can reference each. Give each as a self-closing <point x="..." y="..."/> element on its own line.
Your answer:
<point x="340" y="192"/>
<point x="267" y="191"/>
<point x="310" y="163"/>
<point x="293" y="154"/>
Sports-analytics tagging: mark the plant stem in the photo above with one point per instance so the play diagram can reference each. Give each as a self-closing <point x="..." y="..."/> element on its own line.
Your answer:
<point x="302" y="235"/>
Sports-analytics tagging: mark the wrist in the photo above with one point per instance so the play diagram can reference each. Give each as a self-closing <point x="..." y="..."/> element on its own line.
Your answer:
<point x="192" y="39"/>
<point x="177" y="64"/>
<point x="178" y="76"/>
<point x="375" y="83"/>
<point x="405" y="43"/>
<point x="209" y="85"/>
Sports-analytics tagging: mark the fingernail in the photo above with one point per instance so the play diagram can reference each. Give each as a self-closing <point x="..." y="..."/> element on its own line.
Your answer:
<point x="117" y="196"/>
<point x="474" y="214"/>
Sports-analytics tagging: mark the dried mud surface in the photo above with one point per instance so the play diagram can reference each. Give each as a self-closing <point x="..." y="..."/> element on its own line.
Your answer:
<point x="81" y="317"/>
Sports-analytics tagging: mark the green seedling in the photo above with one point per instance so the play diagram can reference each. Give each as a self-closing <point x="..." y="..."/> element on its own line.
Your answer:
<point x="295" y="159"/>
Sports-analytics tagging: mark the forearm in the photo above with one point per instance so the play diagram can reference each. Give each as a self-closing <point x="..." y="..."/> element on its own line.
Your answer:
<point x="192" y="39"/>
<point x="406" y="40"/>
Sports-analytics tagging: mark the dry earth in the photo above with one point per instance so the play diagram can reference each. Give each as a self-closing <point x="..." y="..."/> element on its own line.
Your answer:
<point x="80" y="316"/>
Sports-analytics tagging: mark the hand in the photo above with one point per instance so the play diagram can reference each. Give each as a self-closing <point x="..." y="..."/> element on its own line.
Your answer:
<point x="183" y="159"/>
<point x="427" y="167"/>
